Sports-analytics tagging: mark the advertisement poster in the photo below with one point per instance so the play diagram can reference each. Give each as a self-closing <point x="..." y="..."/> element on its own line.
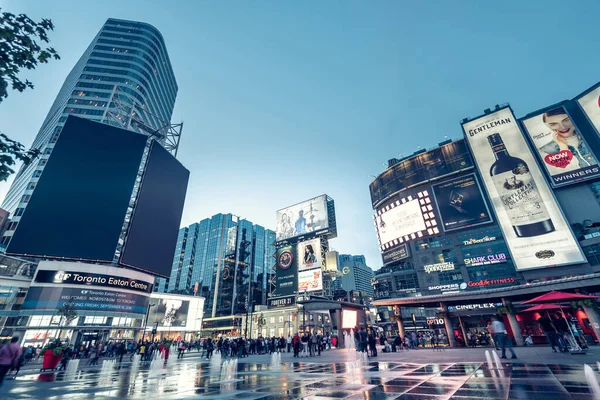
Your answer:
<point x="303" y="218"/>
<point x="52" y="297"/>
<point x="461" y="203"/>
<point x="590" y="104"/>
<point x="164" y="308"/>
<point x="310" y="280"/>
<point x="534" y="228"/>
<point x="561" y="149"/>
<point x="309" y="254"/>
<point x="286" y="278"/>
<point x="402" y="220"/>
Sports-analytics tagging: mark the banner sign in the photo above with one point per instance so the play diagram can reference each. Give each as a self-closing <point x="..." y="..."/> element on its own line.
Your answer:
<point x="52" y="297"/>
<point x="91" y="279"/>
<point x="534" y="227"/>
<point x="562" y="150"/>
<point x="396" y="254"/>
<point x="278" y="302"/>
<point x="286" y="275"/>
<point x="447" y="266"/>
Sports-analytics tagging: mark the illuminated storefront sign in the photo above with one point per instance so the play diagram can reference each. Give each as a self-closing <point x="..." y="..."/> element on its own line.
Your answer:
<point x="451" y="286"/>
<point x="484" y="239"/>
<point x="447" y="266"/>
<point x="491" y="282"/>
<point x="489" y="259"/>
<point x="479" y="306"/>
<point x="435" y="321"/>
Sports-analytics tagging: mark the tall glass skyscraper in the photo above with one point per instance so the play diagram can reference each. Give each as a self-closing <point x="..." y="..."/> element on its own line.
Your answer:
<point x="124" y="78"/>
<point x="227" y="259"/>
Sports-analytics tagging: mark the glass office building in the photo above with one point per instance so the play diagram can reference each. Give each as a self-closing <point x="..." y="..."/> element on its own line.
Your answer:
<point x="123" y="78"/>
<point x="224" y="259"/>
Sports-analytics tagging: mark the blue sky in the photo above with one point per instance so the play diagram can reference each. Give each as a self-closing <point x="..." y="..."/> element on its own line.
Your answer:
<point x="282" y="101"/>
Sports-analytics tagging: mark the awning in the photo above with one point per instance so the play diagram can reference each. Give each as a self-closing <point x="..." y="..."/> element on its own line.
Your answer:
<point x="554" y="296"/>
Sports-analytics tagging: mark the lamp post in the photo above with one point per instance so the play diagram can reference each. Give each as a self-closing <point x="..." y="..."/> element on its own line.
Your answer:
<point x="146" y="321"/>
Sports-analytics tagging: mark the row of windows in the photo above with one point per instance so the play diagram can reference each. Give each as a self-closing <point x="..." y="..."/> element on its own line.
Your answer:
<point x="83" y="111"/>
<point x="86" y="102"/>
<point x="169" y="75"/>
<point x="157" y="41"/>
<point x="158" y="104"/>
<point x="114" y="79"/>
<point x="143" y="40"/>
<point x="87" y="93"/>
<point x="122" y="53"/>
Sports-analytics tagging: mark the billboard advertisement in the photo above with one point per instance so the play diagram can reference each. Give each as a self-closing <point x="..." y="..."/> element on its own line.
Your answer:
<point x="81" y="221"/>
<point x="533" y="225"/>
<point x="307" y="217"/>
<point x="286" y="275"/>
<point x="447" y="159"/>
<point x="92" y="279"/>
<point x="92" y="299"/>
<point x="158" y="210"/>
<point x="169" y="307"/>
<point x="590" y="104"/>
<point x="309" y="254"/>
<point x="562" y="150"/>
<point x="310" y="280"/>
<point x="461" y="203"/>
<point x="405" y="219"/>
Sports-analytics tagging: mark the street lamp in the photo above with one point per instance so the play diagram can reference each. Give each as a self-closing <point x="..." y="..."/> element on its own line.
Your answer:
<point x="146" y="321"/>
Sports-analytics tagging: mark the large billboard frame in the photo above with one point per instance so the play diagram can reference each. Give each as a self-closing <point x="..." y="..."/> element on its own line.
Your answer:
<point x="530" y="136"/>
<point x="541" y="176"/>
<point x="577" y="99"/>
<point x="329" y="232"/>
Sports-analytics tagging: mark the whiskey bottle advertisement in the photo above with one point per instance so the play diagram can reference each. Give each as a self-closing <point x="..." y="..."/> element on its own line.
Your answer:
<point x="533" y="225"/>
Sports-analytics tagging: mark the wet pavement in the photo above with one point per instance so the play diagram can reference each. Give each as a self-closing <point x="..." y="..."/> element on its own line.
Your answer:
<point x="195" y="378"/>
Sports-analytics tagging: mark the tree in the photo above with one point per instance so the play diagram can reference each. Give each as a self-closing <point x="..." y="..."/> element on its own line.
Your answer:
<point x="19" y="49"/>
<point x="10" y="152"/>
<point x="67" y="315"/>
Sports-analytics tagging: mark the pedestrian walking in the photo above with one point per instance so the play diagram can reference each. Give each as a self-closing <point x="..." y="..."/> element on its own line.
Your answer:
<point x="289" y="343"/>
<point x="64" y="360"/>
<point x="364" y="340"/>
<point x="502" y="337"/>
<point x="373" y="344"/>
<point x="549" y="331"/>
<point x="9" y="354"/>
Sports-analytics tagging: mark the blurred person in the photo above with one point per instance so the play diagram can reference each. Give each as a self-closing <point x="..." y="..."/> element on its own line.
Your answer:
<point x="503" y="338"/>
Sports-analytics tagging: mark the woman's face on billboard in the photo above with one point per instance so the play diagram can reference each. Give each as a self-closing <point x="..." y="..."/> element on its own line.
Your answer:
<point x="561" y="124"/>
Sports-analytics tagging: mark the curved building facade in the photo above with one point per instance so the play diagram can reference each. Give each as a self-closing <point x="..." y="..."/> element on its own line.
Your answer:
<point x="124" y="78"/>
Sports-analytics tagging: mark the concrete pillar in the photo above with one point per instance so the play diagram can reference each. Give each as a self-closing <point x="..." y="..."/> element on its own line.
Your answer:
<point x="464" y="332"/>
<point x="337" y="321"/>
<point x="399" y="322"/>
<point x="448" y="325"/>
<point x="594" y="318"/>
<point x="514" y="324"/>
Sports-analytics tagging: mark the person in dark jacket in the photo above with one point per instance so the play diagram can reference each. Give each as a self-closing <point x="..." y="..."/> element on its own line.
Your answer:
<point x="561" y="328"/>
<point x="373" y="344"/>
<point x="364" y="340"/>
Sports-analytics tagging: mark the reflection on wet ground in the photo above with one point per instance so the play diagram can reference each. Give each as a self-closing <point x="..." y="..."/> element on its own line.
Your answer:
<point x="306" y="380"/>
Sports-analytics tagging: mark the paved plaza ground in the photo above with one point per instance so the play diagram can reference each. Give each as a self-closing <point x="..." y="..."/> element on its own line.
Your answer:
<point x="417" y="374"/>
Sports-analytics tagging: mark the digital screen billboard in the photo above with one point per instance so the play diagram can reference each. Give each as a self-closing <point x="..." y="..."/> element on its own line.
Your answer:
<point x="87" y="299"/>
<point x="310" y="280"/>
<point x="286" y="273"/>
<point x="169" y="306"/>
<point x="349" y="319"/>
<point x="590" y="104"/>
<point x="446" y="159"/>
<point x="534" y="228"/>
<point x="461" y="203"/>
<point x="92" y="279"/>
<point x="310" y="216"/>
<point x="309" y="254"/>
<point x="562" y="150"/>
<point x="157" y="214"/>
<point x="80" y="201"/>
<point x="405" y="219"/>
